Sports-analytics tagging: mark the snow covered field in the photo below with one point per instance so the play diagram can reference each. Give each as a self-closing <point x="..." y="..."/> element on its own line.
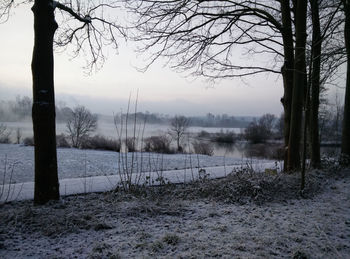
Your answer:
<point x="249" y="215"/>
<point x="75" y="163"/>
<point x="181" y="224"/>
<point x="82" y="171"/>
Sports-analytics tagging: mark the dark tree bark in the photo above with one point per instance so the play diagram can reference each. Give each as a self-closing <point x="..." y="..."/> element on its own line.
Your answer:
<point x="298" y="88"/>
<point x="315" y="84"/>
<point x="287" y="71"/>
<point x="345" y="145"/>
<point x="43" y="112"/>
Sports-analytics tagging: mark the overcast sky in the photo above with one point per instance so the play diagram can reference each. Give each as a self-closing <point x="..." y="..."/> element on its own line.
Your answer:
<point x="160" y="89"/>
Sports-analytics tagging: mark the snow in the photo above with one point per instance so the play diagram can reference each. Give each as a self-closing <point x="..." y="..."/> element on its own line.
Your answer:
<point x="120" y="226"/>
<point x="25" y="191"/>
<point x="182" y="221"/>
<point x="83" y="171"/>
<point x="75" y="163"/>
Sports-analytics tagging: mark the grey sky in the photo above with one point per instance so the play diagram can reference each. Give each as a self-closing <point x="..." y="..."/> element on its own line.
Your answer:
<point x="160" y="90"/>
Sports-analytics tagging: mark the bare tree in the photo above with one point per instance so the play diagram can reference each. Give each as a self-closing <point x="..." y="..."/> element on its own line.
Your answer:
<point x="86" y="25"/>
<point x="80" y="124"/>
<point x="299" y="86"/>
<point x="202" y="37"/>
<point x="345" y="147"/>
<point x="18" y="135"/>
<point x="326" y="56"/>
<point x="5" y="134"/>
<point x="178" y="128"/>
<point x="258" y="131"/>
<point x="22" y="106"/>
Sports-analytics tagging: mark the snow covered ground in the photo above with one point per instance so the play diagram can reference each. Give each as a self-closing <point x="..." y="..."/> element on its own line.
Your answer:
<point x="116" y="225"/>
<point x="82" y="171"/>
<point x="76" y="163"/>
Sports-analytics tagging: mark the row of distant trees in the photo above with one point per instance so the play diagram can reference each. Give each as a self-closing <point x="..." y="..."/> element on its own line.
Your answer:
<point x="17" y="109"/>
<point x="80" y="122"/>
<point x="21" y="109"/>
<point x="257" y="130"/>
<point x="209" y="120"/>
<point x="269" y="126"/>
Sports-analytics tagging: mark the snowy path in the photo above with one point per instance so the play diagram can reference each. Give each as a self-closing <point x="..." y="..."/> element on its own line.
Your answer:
<point x="78" y="163"/>
<point x="68" y="186"/>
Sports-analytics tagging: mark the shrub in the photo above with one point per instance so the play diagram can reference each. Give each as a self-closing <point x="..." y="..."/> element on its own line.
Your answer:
<point x="203" y="148"/>
<point x="130" y="143"/>
<point x="255" y="133"/>
<point x="28" y="141"/>
<point x="203" y="134"/>
<point x="171" y="239"/>
<point x="225" y="137"/>
<point x="101" y="143"/>
<point x="261" y="130"/>
<point x="5" y="134"/>
<point x="158" y="144"/>
<point x="61" y="141"/>
<point x="271" y="151"/>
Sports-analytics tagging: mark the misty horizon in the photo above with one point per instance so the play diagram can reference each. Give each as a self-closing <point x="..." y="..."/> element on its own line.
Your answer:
<point x="110" y="106"/>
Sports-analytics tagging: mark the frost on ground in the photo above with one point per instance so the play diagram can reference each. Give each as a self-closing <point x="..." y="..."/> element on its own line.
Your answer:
<point x="75" y="163"/>
<point x="240" y="216"/>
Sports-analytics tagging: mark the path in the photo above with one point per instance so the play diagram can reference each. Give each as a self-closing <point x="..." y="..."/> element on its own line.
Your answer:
<point x="69" y="186"/>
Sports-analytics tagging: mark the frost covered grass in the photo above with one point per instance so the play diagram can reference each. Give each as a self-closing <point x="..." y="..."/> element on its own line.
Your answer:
<point x="75" y="163"/>
<point x="240" y="216"/>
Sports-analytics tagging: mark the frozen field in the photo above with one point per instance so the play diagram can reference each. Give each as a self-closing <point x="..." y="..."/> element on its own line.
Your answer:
<point x="182" y="224"/>
<point x="76" y="163"/>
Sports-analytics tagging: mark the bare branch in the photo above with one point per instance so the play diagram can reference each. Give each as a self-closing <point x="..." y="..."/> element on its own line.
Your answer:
<point x="201" y="37"/>
<point x="89" y="27"/>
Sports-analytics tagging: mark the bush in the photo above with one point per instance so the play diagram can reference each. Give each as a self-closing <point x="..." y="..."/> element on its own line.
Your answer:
<point x="255" y="133"/>
<point x="158" y="144"/>
<point x="227" y="137"/>
<point x="203" y="134"/>
<point x="61" y="141"/>
<point x="5" y="134"/>
<point x="203" y="148"/>
<point x="28" y="141"/>
<point x="101" y="143"/>
<point x="130" y="143"/>
<point x="271" y="151"/>
<point x="261" y="130"/>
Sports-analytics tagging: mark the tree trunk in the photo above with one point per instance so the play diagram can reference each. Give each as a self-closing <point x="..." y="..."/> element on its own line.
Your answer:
<point x="298" y="88"/>
<point x="287" y="72"/>
<point x="43" y="112"/>
<point x="315" y="84"/>
<point x="345" y="144"/>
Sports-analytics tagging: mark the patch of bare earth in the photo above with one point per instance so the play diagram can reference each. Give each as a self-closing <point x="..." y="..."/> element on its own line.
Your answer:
<point x="241" y="216"/>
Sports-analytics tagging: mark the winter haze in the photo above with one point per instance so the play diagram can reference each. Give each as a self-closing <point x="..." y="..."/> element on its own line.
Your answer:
<point x="160" y="89"/>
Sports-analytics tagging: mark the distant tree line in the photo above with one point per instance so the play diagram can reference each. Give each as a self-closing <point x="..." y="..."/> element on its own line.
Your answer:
<point x="223" y="121"/>
<point x="21" y="109"/>
<point x="209" y="120"/>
